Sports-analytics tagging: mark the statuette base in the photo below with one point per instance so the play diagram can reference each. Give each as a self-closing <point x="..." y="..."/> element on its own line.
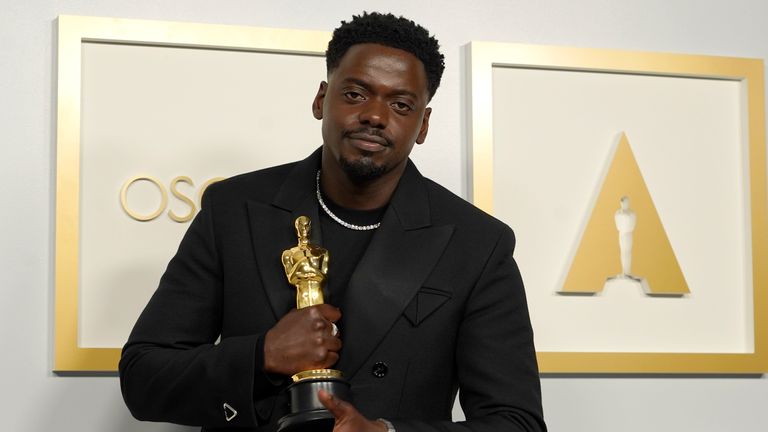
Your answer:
<point x="307" y="412"/>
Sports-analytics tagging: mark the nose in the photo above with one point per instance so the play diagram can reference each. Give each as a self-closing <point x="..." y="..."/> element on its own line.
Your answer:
<point x="375" y="113"/>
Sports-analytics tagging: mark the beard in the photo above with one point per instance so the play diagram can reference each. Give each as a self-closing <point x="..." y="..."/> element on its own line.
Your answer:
<point x="362" y="170"/>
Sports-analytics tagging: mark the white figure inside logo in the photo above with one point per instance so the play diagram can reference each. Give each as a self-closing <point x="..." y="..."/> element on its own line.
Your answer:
<point x="626" y="221"/>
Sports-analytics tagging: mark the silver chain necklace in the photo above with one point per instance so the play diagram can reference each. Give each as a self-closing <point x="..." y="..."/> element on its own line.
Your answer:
<point x="336" y="218"/>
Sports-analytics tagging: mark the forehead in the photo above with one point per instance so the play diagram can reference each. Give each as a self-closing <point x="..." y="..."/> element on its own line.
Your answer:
<point x="382" y="65"/>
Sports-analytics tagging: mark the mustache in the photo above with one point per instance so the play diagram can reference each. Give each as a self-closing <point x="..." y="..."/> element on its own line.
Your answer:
<point x="369" y="134"/>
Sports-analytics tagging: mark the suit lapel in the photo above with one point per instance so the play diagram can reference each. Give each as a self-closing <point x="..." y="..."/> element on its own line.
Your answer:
<point x="400" y="257"/>
<point x="272" y="230"/>
<point x="402" y="253"/>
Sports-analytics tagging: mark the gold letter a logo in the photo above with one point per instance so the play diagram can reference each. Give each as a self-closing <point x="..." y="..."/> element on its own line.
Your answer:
<point x="617" y="237"/>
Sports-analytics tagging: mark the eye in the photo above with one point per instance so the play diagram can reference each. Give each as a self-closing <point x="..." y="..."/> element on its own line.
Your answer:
<point x="353" y="95"/>
<point x="401" y="106"/>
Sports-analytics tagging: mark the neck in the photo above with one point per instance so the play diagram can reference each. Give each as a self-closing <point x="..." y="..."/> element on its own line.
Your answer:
<point x="369" y="195"/>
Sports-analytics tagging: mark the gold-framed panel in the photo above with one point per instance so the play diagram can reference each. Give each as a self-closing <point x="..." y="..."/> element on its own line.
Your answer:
<point x="484" y="56"/>
<point x="73" y="32"/>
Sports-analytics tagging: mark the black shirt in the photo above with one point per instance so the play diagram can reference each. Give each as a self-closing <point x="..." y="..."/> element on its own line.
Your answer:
<point x="346" y="247"/>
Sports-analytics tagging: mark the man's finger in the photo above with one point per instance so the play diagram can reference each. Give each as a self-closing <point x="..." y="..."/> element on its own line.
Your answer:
<point x="329" y="312"/>
<point x="336" y="406"/>
<point x="334" y="344"/>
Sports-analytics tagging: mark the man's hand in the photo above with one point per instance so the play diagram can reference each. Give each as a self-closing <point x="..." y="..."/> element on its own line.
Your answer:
<point x="303" y="339"/>
<point x="348" y="419"/>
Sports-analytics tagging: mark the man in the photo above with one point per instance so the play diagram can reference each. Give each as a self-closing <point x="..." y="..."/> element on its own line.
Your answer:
<point x="424" y="289"/>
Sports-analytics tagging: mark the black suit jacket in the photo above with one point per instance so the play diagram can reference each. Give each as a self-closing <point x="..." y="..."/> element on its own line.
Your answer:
<point x="437" y="298"/>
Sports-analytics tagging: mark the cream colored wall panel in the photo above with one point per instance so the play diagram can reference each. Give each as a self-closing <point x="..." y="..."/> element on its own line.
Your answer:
<point x="169" y="112"/>
<point x="555" y="134"/>
<point x="149" y="113"/>
<point x="561" y="135"/>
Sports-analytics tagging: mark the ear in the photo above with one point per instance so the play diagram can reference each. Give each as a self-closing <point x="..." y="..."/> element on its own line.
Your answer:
<point x="317" y="103"/>
<point x="424" y="126"/>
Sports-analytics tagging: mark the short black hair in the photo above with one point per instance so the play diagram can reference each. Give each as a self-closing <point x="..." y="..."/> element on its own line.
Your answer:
<point x="391" y="31"/>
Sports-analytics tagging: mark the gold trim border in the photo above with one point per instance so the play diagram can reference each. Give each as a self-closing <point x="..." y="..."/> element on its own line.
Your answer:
<point x="73" y="31"/>
<point x="483" y="56"/>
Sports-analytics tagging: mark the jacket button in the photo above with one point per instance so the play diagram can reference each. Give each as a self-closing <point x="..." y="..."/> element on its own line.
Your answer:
<point x="379" y="370"/>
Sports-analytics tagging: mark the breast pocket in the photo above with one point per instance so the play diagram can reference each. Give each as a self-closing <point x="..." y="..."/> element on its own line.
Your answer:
<point x="424" y="304"/>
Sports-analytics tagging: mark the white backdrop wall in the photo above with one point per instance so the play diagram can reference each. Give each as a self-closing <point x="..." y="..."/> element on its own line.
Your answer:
<point x="34" y="399"/>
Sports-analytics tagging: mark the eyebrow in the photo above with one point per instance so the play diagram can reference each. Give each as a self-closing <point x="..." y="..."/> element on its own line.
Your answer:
<point x="365" y="85"/>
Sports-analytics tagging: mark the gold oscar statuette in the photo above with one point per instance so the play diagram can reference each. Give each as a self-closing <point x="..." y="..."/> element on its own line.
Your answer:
<point x="306" y="267"/>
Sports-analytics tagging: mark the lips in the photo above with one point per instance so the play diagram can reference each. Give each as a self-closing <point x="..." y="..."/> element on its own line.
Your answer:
<point x="376" y="139"/>
<point x="368" y="142"/>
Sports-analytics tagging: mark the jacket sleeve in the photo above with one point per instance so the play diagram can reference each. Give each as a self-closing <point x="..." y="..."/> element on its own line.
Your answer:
<point x="172" y="368"/>
<point x="499" y="386"/>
